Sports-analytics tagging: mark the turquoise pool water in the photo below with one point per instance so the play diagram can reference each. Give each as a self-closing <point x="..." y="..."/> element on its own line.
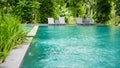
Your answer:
<point x="74" y="47"/>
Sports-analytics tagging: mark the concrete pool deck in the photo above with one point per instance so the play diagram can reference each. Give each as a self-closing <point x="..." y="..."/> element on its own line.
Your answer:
<point x="16" y="56"/>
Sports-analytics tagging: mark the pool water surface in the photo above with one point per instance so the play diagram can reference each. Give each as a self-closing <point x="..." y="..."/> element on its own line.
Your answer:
<point x="74" y="47"/>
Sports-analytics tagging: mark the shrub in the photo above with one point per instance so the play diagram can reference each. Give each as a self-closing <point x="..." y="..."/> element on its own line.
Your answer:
<point x="46" y="10"/>
<point x="103" y="9"/>
<point x="27" y="10"/>
<point x="11" y="33"/>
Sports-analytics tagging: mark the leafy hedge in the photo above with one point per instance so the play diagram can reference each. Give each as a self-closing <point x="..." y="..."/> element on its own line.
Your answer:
<point x="117" y="7"/>
<point x="103" y="10"/>
<point x="26" y="10"/>
<point x="46" y="10"/>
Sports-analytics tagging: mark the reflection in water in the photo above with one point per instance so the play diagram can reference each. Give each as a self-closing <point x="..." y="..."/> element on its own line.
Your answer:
<point x="74" y="47"/>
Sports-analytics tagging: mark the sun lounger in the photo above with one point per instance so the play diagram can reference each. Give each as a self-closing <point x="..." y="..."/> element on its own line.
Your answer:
<point x="51" y="21"/>
<point x="79" y="21"/>
<point x="57" y="22"/>
<point x="88" y="21"/>
<point x="62" y="21"/>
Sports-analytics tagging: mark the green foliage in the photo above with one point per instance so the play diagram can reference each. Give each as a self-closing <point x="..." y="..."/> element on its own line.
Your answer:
<point x="115" y="19"/>
<point x="46" y="10"/>
<point x="76" y="7"/>
<point x="117" y="7"/>
<point x="60" y="9"/>
<point x="64" y="12"/>
<point x="2" y="3"/>
<point x="103" y="9"/>
<point x="56" y="9"/>
<point x="11" y="33"/>
<point x="31" y="12"/>
<point x="25" y="9"/>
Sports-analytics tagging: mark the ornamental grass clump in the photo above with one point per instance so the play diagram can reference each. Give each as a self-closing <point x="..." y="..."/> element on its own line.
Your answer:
<point x="11" y="33"/>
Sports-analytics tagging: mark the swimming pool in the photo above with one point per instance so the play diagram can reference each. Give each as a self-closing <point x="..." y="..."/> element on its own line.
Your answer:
<point x="74" y="47"/>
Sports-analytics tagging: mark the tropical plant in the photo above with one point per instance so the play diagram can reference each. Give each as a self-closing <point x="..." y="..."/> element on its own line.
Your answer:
<point x="11" y="33"/>
<point x="103" y="9"/>
<point x="27" y="9"/>
<point x="46" y="10"/>
<point x="76" y="7"/>
<point x="117" y="8"/>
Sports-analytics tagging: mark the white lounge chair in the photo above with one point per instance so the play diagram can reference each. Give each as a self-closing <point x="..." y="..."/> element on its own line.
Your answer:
<point x="51" y="21"/>
<point x="62" y="21"/>
<point x="79" y="21"/>
<point x="57" y="22"/>
<point x="89" y="21"/>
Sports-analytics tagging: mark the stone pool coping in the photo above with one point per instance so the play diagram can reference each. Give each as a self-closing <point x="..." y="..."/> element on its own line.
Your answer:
<point x="69" y="25"/>
<point x="16" y="56"/>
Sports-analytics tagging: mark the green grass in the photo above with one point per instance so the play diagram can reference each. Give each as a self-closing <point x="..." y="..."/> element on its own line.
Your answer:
<point x="11" y="33"/>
